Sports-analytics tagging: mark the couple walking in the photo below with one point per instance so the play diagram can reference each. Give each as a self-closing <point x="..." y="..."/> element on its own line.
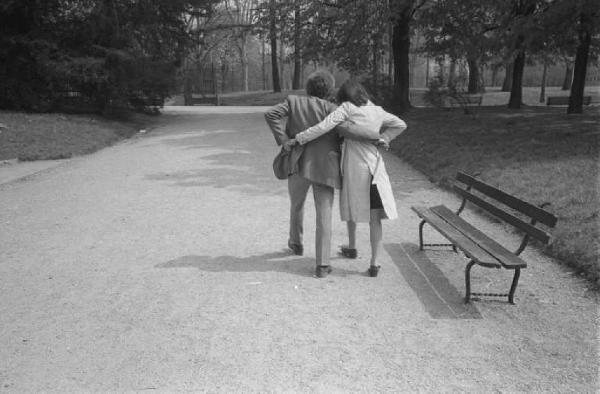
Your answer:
<point x="336" y="147"/>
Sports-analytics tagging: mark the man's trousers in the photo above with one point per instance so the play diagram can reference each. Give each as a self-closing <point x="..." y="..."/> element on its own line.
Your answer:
<point x="323" y="196"/>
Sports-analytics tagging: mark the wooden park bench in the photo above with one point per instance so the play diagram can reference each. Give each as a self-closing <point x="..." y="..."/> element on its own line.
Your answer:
<point x="146" y="101"/>
<point x="204" y="99"/>
<point x="465" y="101"/>
<point x="564" y="100"/>
<point x="69" y="96"/>
<point x="480" y="248"/>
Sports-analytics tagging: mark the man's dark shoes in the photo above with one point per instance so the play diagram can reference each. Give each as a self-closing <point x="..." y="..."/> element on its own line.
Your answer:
<point x="349" y="253"/>
<point x="373" y="270"/>
<point x="323" y="270"/>
<point x="296" y="249"/>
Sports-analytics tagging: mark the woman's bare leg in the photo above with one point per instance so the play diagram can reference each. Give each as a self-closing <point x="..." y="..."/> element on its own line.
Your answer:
<point x="376" y="235"/>
<point x="351" y="234"/>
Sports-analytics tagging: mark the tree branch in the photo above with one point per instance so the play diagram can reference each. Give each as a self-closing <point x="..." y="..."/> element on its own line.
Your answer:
<point x="418" y="7"/>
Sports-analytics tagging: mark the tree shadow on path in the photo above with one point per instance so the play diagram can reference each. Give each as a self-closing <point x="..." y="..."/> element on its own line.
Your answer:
<point x="238" y="157"/>
<point x="438" y="296"/>
<point x="282" y="261"/>
<point x="221" y="174"/>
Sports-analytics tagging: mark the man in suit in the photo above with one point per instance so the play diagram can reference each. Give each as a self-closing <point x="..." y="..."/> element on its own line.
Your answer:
<point x="317" y="166"/>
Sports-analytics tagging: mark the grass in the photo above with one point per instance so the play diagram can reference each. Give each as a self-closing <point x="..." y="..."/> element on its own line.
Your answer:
<point x="57" y="136"/>
<point x="539" y="154"/>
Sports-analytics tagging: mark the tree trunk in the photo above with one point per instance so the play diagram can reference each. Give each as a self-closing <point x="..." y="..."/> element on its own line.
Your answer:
<point x="244" y="63"/>
<point x="297" y="47"/>
<point x="441" y="72"/>
<point x="427" y="72"/>
<point x="452" y="73"/>
<point x="390" y="57"/>
<point x="516" y="91"/>
<point x="375" y="70"/>
<point x="264" y="67"/>
<point x="187" y="88"/>
<point x="273" y="34"/>
<point x="474" y="83"/>
<point x="401" y="49"/>
<point x="494" y="76"/>
<point x="284" y="81"/>
<point x="507" y="84"/>
<point x="568" y="76"/>
<point x="223" y="76"/>
<point x="543" y="83"/>
<point x="523" y="10"/>
<point x="481" y="82"/>
<point x="296" y="83"/>
<point x="580" y="69"/>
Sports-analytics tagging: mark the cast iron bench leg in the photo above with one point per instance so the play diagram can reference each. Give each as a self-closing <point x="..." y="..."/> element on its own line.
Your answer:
<point x="468" y="281"/>
<point x="513" y="287"/>
<point x="421" y="244"/>
<point x="421" y="234"/>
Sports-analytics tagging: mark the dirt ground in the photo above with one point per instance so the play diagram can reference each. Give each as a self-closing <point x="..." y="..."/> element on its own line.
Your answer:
<point x="159" y="264"/>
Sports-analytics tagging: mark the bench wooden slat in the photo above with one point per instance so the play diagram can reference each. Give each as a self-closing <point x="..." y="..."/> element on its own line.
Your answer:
<point x="533" y="231"/>
<point x="470" y="248"/>
<point x="564" y="100"/>
<point x="558" y="100"/>
<point x="504" y="256"/>
<point x="530" y="210"/>
<point x="473" y="99"/>
<point x="465" y="100"/>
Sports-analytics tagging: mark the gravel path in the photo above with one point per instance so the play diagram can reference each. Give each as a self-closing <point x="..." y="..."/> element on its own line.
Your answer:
<point x="159" y="265"/>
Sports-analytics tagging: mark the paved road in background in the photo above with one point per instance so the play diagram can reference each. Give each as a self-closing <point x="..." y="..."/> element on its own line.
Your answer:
<point x="159" y="264"/>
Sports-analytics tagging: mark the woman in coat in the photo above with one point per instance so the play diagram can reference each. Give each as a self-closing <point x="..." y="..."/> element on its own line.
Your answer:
<point x="366" y="194"/>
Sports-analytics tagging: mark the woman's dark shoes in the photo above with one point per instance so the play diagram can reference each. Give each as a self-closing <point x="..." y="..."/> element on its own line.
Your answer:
<point x="296" y="249"/>
<point x="349" y="253"/>
<point x="373" y="270"/>
<point x="322" y="271"/>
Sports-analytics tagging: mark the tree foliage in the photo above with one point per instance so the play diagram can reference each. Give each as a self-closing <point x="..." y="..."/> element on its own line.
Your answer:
<point x="344" y="32"/>
<point x="119" y="52"/>
<point x="573" y="31"/>
<point x="112" y="52"/>
<point x="463" y="30"/>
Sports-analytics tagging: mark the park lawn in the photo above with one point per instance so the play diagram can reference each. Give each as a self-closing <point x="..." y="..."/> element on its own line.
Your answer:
<point x="29" y="136"/>
<point x="257" y="98"/>
<point x="538" y="153"/>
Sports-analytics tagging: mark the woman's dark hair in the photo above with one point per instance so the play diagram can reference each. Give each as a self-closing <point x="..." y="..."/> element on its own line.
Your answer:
<point x="353" y="91"/>
<point x="319" y="84"/>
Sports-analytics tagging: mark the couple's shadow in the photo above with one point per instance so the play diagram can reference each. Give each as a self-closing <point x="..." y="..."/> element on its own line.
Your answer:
<point x="282" y="261"/>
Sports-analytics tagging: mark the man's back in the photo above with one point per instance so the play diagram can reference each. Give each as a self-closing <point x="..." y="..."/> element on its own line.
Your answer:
<point x="319" y="162"/>
<point x="306" y="111"/>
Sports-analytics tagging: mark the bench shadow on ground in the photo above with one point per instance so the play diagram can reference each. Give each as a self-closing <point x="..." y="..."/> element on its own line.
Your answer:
<point x="437" y="295"/>
<point x="282" y="261"/>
